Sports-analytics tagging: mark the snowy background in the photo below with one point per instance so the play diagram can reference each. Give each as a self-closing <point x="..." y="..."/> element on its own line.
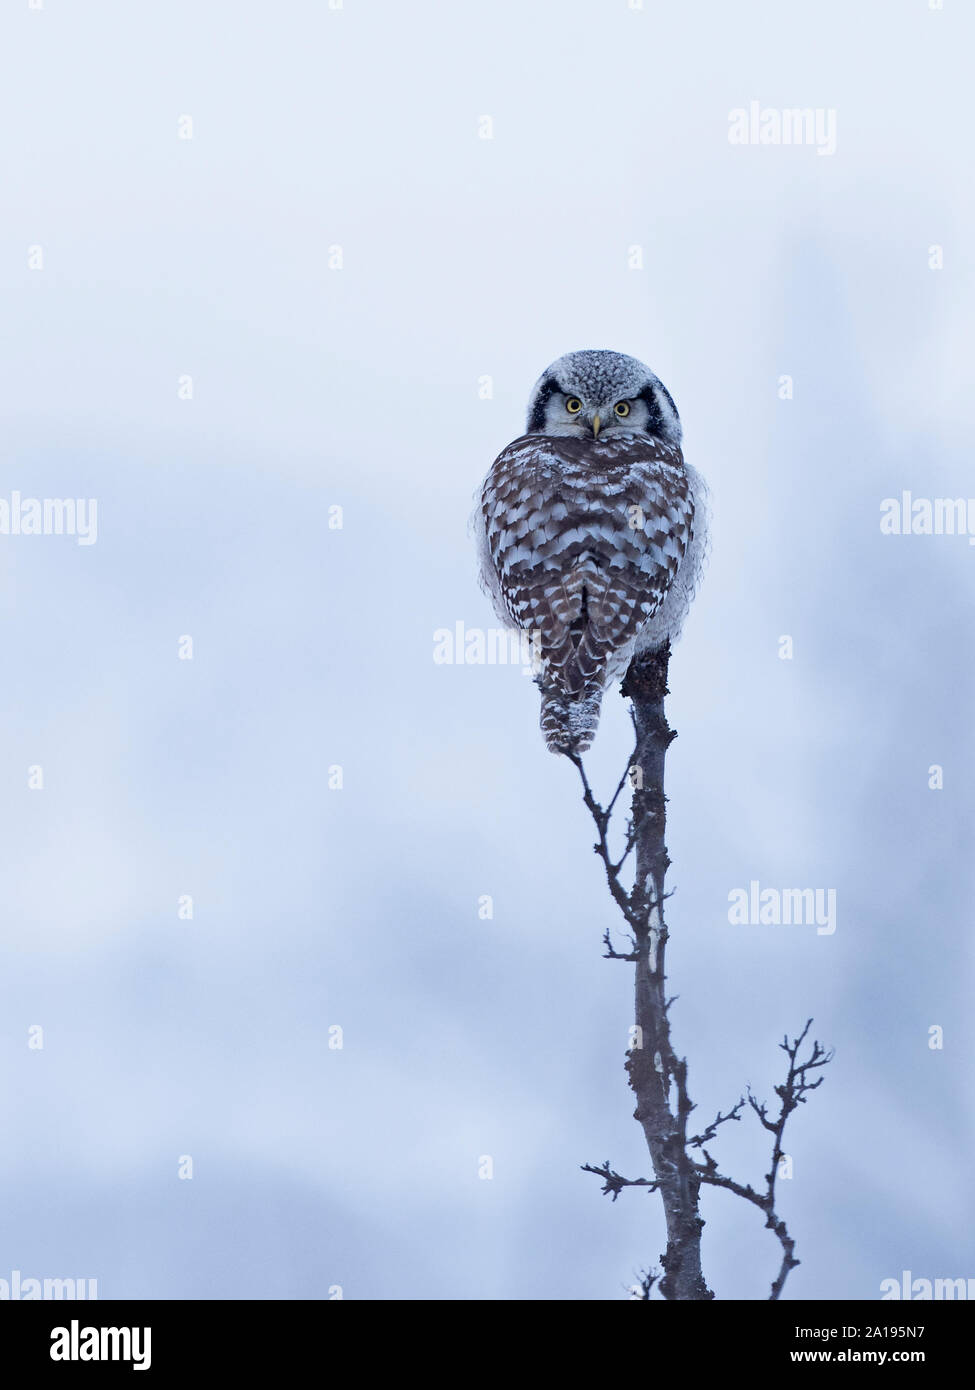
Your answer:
<point x="464" y="257"/>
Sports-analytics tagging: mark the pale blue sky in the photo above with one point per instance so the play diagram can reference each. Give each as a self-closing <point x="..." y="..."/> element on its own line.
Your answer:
<point x="312" y="647"/>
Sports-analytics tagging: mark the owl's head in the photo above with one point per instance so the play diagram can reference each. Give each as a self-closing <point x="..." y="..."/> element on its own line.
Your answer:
<point x="602" y="393"/>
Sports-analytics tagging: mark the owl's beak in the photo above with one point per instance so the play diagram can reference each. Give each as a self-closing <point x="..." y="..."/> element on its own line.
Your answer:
<point x="595" y="427"/>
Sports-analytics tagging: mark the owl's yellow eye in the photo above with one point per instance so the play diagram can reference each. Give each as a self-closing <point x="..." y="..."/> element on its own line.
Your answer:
<point x="622" y="409"/>
<point x="573" y="405"/>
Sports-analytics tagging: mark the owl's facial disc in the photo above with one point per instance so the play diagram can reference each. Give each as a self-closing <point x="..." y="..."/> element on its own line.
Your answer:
<point x="588" y="417"/>
<point x="600" y="394"/>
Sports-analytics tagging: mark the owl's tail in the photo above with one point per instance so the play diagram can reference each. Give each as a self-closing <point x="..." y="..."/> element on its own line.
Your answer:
<point x="569" y="724"/>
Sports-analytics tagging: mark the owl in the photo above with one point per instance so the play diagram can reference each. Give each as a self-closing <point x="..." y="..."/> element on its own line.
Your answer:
<point x="591" y="532"/>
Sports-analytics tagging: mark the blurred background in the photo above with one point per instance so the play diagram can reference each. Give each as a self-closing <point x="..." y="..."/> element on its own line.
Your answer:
<point x="301" y="257"/>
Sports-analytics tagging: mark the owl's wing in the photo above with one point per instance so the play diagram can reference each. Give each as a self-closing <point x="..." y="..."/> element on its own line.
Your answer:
<point x="585" y="539"/>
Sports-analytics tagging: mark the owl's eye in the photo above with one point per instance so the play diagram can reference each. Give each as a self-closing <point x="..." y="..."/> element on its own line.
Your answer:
<point x="622" y="409"/>
<point x="573" y="405"/>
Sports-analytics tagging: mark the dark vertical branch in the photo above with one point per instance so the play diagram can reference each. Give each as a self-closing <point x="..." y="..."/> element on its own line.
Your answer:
<point x="657" y="1075"/>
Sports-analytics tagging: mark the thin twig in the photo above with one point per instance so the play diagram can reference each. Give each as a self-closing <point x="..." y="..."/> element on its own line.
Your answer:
<point x="613" y="1183"/>
<point x="792" y="1093"/>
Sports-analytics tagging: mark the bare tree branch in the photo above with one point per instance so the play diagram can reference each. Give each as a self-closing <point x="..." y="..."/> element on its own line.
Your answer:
<point x="699" y="1140"/>
<point x="613" y="1183"/>
<point x="648" y="1278"/>
<point x="657" y="1075"/>
<point x="792" y="1093"/>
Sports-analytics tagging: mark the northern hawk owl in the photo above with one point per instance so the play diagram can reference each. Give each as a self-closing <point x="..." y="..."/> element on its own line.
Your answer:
<point x="592" y="532"/>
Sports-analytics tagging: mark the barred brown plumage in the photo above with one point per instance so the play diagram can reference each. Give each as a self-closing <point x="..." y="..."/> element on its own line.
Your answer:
<point x="592" y="541"/>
